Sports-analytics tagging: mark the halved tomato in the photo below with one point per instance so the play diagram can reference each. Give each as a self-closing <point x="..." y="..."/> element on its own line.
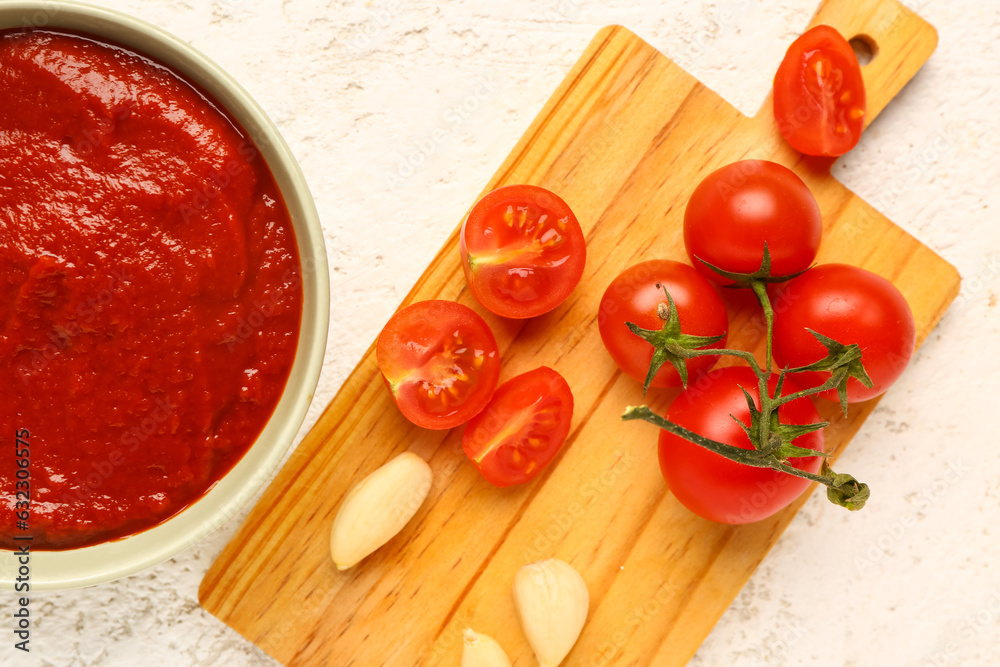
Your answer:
<point x="440" y="361"/>
<point x="522" y="429"/>
<point x="819" y="94"/>
<point x="522" y="250"/>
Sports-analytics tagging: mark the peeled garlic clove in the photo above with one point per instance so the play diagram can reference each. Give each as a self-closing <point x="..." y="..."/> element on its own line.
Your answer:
<point x="552" y="602"/>
<point x="482" y="651"/>
<point x="375" y="510"/>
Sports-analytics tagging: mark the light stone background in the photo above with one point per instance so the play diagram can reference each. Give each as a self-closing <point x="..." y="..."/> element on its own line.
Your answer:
<point x="360" y="88"/>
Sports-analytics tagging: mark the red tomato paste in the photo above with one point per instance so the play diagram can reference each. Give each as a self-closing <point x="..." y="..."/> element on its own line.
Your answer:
<point x="150" y="291"/>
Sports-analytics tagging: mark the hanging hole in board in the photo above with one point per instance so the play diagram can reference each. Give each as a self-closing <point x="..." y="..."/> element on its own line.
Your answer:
<point x="865" y="48"/>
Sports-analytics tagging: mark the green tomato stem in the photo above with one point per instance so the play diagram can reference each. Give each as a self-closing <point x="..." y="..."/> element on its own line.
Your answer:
<point x="718" y="352"/>
<point x="853" y="499"/>
<point x="771" y="442"/>
<point x="835" y="379"/>
<point x="760" y="289"/>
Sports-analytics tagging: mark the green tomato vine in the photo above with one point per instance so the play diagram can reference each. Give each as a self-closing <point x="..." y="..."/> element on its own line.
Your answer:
<point x="771" y="439"/>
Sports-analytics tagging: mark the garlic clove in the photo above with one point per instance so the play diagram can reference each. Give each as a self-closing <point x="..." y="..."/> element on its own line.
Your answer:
<point x="375" y="510"/>
<point x="482" y="651"/>
<point x="552" y="602"/>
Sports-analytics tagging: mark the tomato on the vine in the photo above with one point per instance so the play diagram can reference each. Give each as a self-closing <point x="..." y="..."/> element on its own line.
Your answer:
<point x="522" y="250"/>
<point x="440" y="361"/>
<point x="852" y="306"/>
<point x="635" y="296"/>
<point x="819" y="94"/>
<point x="522" y="428"/>
<point x="739" y="208"/>
<point x="714" y="487"/>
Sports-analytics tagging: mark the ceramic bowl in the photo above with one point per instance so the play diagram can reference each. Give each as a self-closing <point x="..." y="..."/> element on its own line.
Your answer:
<point x="112" y="560"/>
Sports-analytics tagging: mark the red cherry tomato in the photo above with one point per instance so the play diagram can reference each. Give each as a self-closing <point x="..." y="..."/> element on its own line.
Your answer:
<point x="819" y="94"/>
<point x="714" y="487"/>
<point x="522" y="250"/>
<point x="440" y="361"/>
<point x="742" y="206"/>
<point x="634" y="296"/>
<point x="850" y="305"/>
<point x="522" y="429"/>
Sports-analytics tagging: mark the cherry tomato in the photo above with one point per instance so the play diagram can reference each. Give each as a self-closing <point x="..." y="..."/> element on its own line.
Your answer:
<point x="742" y="206"/>
<point x="440" y="361"/>
<point x="522" y="429"/>
<point x="714" y="487"/>
<point x="819" y="94"/>
<point x="634" y="297"/>
<point x="522" y="250"/>
<point x="850" y="305"/>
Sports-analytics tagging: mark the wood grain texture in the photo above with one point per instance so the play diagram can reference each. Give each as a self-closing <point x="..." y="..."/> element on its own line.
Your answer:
<point x="624" y="140"/>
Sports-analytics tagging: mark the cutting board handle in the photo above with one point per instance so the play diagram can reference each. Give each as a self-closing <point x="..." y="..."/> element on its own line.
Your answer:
<point x="900" y="41"/>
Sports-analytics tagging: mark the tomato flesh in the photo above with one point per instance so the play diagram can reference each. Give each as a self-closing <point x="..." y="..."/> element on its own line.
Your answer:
<point x="714" y="487"/>
<point x="735" y="210"/>
<point x="850" y="305"/>
<point x="440" y="361"/>
<point x="819" y="94"/>
<point x="523" y="251"/>
<point x="522" y="429"/>
<point x="634" y="295"/>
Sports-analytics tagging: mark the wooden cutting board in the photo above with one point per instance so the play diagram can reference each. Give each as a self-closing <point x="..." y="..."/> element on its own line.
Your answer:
<point x="625" y="139"/>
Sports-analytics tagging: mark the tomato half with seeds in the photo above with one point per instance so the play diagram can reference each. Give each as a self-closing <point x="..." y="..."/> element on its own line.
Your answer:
<point x="522" y="429"/>
<point x="523" y="251"/>
<point x="744" y="205"/>
<point x="711" y="485"/>
<point x="440" y="361"/>
<point x="819" y="94"/>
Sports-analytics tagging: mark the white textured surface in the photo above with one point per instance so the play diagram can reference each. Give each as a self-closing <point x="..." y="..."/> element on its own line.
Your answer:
<point x="358" y="89"/>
